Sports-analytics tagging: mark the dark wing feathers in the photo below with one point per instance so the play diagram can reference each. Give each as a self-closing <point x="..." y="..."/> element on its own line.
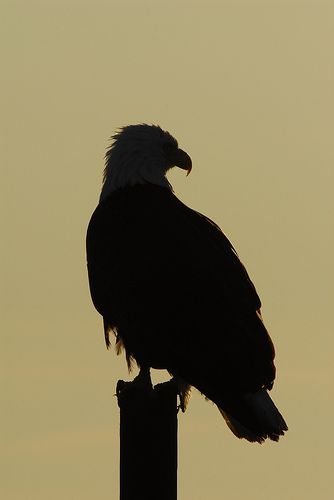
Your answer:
<point x="171" y="285"/>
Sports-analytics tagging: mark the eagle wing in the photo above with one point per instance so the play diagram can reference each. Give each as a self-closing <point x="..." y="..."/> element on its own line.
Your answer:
<point x="170" y="284"/>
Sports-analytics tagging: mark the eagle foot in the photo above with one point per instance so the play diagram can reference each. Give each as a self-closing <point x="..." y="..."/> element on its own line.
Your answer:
<point x="183" y="391"/>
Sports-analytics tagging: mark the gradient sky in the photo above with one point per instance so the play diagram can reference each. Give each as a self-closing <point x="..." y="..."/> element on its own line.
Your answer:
<point x="247" y="89"/>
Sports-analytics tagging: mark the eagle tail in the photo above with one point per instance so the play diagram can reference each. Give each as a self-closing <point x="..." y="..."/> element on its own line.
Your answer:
<point x="260" y="419"/>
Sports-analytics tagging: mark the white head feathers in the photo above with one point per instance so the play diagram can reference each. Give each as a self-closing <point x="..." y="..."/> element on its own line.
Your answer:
<point x="141" y="154"/>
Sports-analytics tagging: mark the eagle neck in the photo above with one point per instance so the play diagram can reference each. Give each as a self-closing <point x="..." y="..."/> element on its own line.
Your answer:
<point x="121" y="178"/>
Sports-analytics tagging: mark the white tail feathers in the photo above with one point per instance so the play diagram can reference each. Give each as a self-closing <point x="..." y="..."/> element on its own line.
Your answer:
<point x="258" y="418"/>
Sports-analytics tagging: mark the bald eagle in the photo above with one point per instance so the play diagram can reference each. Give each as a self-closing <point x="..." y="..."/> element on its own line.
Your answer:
<point x="170" y="285"/>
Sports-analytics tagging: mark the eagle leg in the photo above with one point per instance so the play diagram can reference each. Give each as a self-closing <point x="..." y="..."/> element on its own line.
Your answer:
<point x="183" y="391"/>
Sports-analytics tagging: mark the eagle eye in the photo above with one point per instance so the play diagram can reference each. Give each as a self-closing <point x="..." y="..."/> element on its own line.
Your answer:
<point x="169" y="147"/>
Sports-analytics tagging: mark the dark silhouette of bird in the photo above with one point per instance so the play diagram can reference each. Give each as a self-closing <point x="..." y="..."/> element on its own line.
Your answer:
<point x="171" y="287"/>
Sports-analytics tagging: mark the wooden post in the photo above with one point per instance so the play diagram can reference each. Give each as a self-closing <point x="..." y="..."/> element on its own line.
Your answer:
<point x="148" y="441"/>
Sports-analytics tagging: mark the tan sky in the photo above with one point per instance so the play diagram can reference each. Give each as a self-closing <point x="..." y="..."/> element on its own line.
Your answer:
<point x="247" y="89"/>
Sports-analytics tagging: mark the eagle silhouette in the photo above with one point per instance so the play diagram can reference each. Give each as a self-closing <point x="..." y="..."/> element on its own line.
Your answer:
<point x="172" y="288"/>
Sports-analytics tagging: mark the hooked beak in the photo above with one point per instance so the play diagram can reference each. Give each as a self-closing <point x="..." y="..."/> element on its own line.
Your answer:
<point x="183" y="160"/>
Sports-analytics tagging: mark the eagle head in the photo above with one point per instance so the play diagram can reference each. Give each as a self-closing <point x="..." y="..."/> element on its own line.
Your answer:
<point x="141" y="154"/>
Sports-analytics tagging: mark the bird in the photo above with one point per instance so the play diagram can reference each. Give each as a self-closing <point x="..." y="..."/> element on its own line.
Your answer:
<point x="172" y="289"/>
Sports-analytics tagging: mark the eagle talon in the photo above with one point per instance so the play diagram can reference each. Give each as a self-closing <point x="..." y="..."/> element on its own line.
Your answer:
<point x="183" y="391"/>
